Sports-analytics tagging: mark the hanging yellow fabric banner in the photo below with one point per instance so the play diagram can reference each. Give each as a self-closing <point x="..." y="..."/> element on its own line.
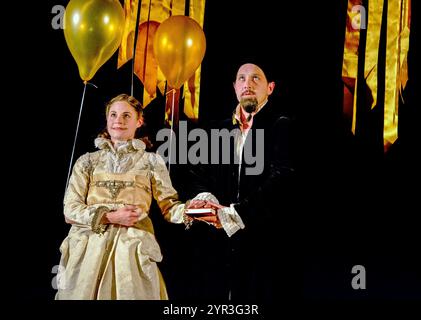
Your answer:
<point x="356" y="17"/>
<point x="397" y="24"/>
<point x="397" y="45"/>
<point x="192" y="86"/>
<point x="125" y="52"/>
<point x="404" y="43"/>
<point x="375" y="12"/>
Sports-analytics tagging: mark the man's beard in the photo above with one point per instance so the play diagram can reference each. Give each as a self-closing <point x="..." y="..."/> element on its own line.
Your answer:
<point x="249" y="104"/>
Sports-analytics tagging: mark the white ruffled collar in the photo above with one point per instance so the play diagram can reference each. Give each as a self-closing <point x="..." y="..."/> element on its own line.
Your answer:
<point x="125" y="147"/>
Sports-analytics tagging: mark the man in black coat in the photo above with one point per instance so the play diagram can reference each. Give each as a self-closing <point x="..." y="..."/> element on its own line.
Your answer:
<point x="249" y="183"/>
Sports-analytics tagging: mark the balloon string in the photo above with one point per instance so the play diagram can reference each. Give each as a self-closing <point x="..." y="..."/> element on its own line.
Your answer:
<point x="136" y="33"/>
<point x="145" y="54"/>
<point x="172" y="126"/>
<point x="77" y="130"/>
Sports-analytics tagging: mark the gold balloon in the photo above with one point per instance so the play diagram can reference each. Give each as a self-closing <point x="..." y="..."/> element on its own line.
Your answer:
<point x="93" y="31"/>
<point x="179" y="46"/>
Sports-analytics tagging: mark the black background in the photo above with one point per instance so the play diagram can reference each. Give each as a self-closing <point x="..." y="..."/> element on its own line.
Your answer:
<point x="355" y="204"/>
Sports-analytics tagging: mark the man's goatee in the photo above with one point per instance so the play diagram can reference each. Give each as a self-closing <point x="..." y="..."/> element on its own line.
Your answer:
<point x="249" y="104"/>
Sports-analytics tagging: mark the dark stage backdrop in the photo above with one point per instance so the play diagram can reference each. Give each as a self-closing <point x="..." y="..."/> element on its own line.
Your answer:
<point x="355" y="205"/>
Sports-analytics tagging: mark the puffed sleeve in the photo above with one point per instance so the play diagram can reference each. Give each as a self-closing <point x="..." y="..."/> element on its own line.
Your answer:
<point x="163" y="191"/>
<point x="75" y="207"/>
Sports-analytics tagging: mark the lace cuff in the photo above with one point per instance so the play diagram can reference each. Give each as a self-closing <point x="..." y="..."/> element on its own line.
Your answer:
<point x="96" y="224"/>
<point x="230" y="219"/>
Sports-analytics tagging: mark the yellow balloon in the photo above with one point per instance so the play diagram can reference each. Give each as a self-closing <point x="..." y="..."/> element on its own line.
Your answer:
<point x="93" y="31"/>
<point x="179" y="46"/>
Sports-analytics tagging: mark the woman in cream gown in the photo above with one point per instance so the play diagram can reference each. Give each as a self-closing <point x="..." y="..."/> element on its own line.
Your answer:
<point x="111" y="251"/>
